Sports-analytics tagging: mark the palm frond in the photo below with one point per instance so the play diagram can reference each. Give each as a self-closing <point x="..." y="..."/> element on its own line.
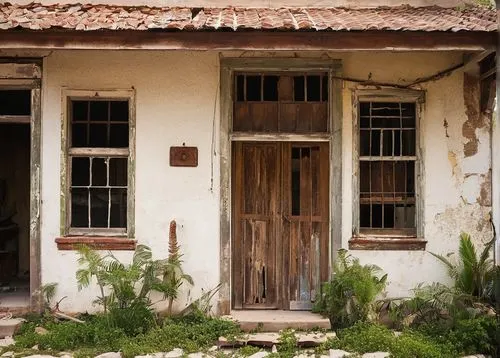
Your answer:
<point x="452" y="268"/>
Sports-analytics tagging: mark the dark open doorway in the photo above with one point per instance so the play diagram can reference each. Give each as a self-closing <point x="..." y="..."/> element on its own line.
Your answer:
<point x="15" y="147"/>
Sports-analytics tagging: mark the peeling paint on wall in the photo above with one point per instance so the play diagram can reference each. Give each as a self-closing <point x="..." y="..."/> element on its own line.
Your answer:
<point x="474" y="118"/>
<point x="484" y="198"/>
<point x="471" y="218"/>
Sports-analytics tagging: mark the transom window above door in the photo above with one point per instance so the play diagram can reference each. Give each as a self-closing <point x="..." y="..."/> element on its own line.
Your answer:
<point x="281" y="102"/>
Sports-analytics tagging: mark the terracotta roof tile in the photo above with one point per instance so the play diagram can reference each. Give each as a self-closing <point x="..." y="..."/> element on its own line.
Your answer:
<point x="106" y="17"/>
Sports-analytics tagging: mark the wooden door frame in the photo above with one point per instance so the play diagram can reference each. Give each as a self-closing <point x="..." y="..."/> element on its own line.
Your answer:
<point x="227" y="68"/>
<point x="27" y="74"/>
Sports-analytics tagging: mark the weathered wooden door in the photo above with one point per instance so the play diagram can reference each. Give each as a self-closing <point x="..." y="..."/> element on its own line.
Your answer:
<point x="256" y="187"/>
<point x="305" y="221"/>
<point x="280" y="223"/>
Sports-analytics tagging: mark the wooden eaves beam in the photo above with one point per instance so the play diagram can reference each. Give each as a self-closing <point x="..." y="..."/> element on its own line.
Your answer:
<point x="250" y="40"/>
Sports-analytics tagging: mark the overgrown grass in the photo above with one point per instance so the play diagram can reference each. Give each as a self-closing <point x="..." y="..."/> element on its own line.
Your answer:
<point x="98" y="334"/>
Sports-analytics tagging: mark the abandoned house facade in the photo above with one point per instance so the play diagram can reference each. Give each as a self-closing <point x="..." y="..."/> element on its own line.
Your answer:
<point x="274" y="136"/>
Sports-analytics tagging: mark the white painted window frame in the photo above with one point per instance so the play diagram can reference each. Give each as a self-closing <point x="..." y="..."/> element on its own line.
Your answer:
<point x="67" y="152"/>
<point x="388" y="95"/>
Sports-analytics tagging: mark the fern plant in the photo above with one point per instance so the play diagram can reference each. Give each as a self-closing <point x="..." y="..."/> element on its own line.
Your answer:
<point x="129" y="286"/>
<point x="350" y="295"/>
<point x="472" y="273"/>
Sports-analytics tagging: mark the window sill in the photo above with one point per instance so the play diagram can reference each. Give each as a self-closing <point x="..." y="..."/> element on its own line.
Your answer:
<point x="393" y="243"/>
<point x="96" y="242"/>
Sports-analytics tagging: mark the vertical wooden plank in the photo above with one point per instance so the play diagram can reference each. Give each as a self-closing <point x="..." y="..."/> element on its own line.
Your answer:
<point x="319" y="119"/>
<point x="304" y="251"/>
<point x="225" y="252"/>
<point x="285" y="253"/>
<point x="242" y="120"/>
<point x="324" y="187"/>
<point x="35" y="200"/>
<point x="288" y="117"/>
<point x="238" y="230"/>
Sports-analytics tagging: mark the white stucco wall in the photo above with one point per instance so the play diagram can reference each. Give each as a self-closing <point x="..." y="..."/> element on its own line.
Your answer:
<point x="175" y="97"/>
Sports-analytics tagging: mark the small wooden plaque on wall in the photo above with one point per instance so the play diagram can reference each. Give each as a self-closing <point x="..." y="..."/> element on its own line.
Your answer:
<point x="183" y="156"/>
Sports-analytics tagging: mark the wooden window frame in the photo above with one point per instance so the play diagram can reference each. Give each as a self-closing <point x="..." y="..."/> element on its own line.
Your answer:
<point x="98" y="238"/>
<point x="388" y="239"/>
<point x="229" y="66"/>
<point x="27" y="74"/>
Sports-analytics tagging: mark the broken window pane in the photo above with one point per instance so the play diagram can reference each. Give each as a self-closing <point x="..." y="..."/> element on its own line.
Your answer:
<point x="387" y="165"/>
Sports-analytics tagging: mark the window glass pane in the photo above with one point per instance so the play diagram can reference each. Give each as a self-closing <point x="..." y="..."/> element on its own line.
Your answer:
<point x="99" y="111"/>
<point x="118" y="216"/>
<point x="119" y="136"/>
<point x="313" y="88"/>
<point x="80" y="171"/>
<point x="80" y="110"/>
<point x="118" y="171"/>
<point x="99" y="199"/>
<point x="99" y="172"/>
<point x="15" y="102"/>
<point x="253" y="88"/>
<point x="119" y="111"/>
<point x="98" y="135"/>
<point x="79" y="135"/>
<point x="79" y="208"/>
<point x="299" y="88"/>
<point x="271" y="88"/>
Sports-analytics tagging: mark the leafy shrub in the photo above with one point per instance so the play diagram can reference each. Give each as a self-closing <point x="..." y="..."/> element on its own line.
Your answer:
<point x="350" y="294"/>
<point x="415" y="345"/>
<point x="362" y="338"/>
<point x="476" y="335"/>
<point x="473" y="274"/>
<point x="134" y="319"/>
<point x="287" y="346"/>
<point x="125" y="289"/>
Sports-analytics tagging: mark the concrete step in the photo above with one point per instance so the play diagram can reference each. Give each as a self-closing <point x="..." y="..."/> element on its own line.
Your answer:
<point x="275" y="320"/>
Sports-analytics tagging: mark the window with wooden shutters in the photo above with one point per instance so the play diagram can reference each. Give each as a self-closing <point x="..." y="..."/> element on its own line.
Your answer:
<point x="98" y="165"/>
<point x="388" y="165"/>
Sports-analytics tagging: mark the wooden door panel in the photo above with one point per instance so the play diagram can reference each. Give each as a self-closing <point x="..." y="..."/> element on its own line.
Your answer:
<point x="280" y="224"/>
<point x="256" y="190"/>
<point x="305" y="208"/>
